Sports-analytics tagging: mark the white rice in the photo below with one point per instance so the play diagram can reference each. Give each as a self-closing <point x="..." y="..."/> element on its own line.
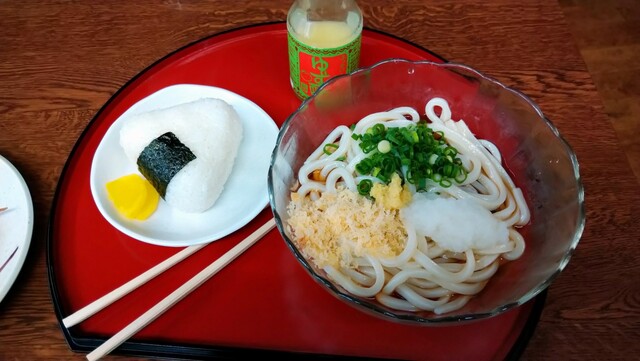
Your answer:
<point x="210" y="128"/>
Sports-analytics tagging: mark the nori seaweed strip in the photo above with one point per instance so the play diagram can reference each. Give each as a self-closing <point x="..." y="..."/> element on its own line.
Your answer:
<point x="162" y="159"/>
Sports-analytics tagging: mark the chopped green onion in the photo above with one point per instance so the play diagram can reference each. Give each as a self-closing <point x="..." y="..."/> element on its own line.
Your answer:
<point x="364" y="187"/>
<point x="377" y="129"/>
<point x="447" y="170"/>
<point x="365" y="166"/>
<point x="450" y="151"/>
<point x="384" y="146"/>
<point x="329" y="148"/>
<point x="415" y="152"/>
<point x="461" y="176"/>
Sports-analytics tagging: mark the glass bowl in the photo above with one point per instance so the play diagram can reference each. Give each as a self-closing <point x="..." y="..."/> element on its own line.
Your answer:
<point x="539" y="160"/>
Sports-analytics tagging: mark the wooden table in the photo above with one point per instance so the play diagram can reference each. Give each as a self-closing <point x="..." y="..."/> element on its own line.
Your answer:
<point x="60" y="62"/>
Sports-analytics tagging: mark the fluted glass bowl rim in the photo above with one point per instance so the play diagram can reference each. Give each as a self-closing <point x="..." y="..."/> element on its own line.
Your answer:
<point x="436" y="319"/>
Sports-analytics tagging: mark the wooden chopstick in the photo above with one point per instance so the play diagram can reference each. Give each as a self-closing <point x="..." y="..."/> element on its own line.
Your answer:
<point x="182" y="291"/>
<point x="104" y="301"/>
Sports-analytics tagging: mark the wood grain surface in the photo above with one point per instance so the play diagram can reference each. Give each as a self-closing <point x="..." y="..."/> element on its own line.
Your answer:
<point x="60" y="61"/>
<point x="608" y="36"/>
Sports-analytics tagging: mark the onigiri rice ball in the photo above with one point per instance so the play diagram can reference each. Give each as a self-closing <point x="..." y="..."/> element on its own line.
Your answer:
<point x="186" y="151"/>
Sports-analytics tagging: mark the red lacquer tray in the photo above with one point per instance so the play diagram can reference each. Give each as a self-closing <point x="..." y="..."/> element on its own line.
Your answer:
<point x="263" y="303"/>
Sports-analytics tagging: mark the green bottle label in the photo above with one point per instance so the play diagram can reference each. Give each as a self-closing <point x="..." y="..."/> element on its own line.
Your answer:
<point x="310" y="67"/>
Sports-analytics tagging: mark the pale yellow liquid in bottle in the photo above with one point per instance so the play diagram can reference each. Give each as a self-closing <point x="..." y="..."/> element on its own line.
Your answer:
<point x="324" y="34"/>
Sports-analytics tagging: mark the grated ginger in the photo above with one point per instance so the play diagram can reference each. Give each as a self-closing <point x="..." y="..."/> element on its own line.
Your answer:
<point x="392" y="195"/>
<point x="339" y="227"/>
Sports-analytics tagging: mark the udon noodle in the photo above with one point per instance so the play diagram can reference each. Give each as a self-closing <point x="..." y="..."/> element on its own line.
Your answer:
<point x="422" y="273"/>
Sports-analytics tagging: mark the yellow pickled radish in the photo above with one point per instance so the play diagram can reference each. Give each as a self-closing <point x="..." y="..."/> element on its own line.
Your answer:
<point x="133" y="196"/>
<point x="151" y="203"/>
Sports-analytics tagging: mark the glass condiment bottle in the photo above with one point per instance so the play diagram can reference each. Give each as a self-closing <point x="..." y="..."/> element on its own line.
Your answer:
<point x="324" y="41"/>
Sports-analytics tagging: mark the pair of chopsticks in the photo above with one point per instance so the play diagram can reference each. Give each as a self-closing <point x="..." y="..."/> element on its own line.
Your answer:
<point x="177" y="295"/>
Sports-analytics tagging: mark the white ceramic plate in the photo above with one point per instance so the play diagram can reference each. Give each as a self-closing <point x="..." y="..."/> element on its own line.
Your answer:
<point x="245" y="193"/>
<point x="16" y="223"/>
